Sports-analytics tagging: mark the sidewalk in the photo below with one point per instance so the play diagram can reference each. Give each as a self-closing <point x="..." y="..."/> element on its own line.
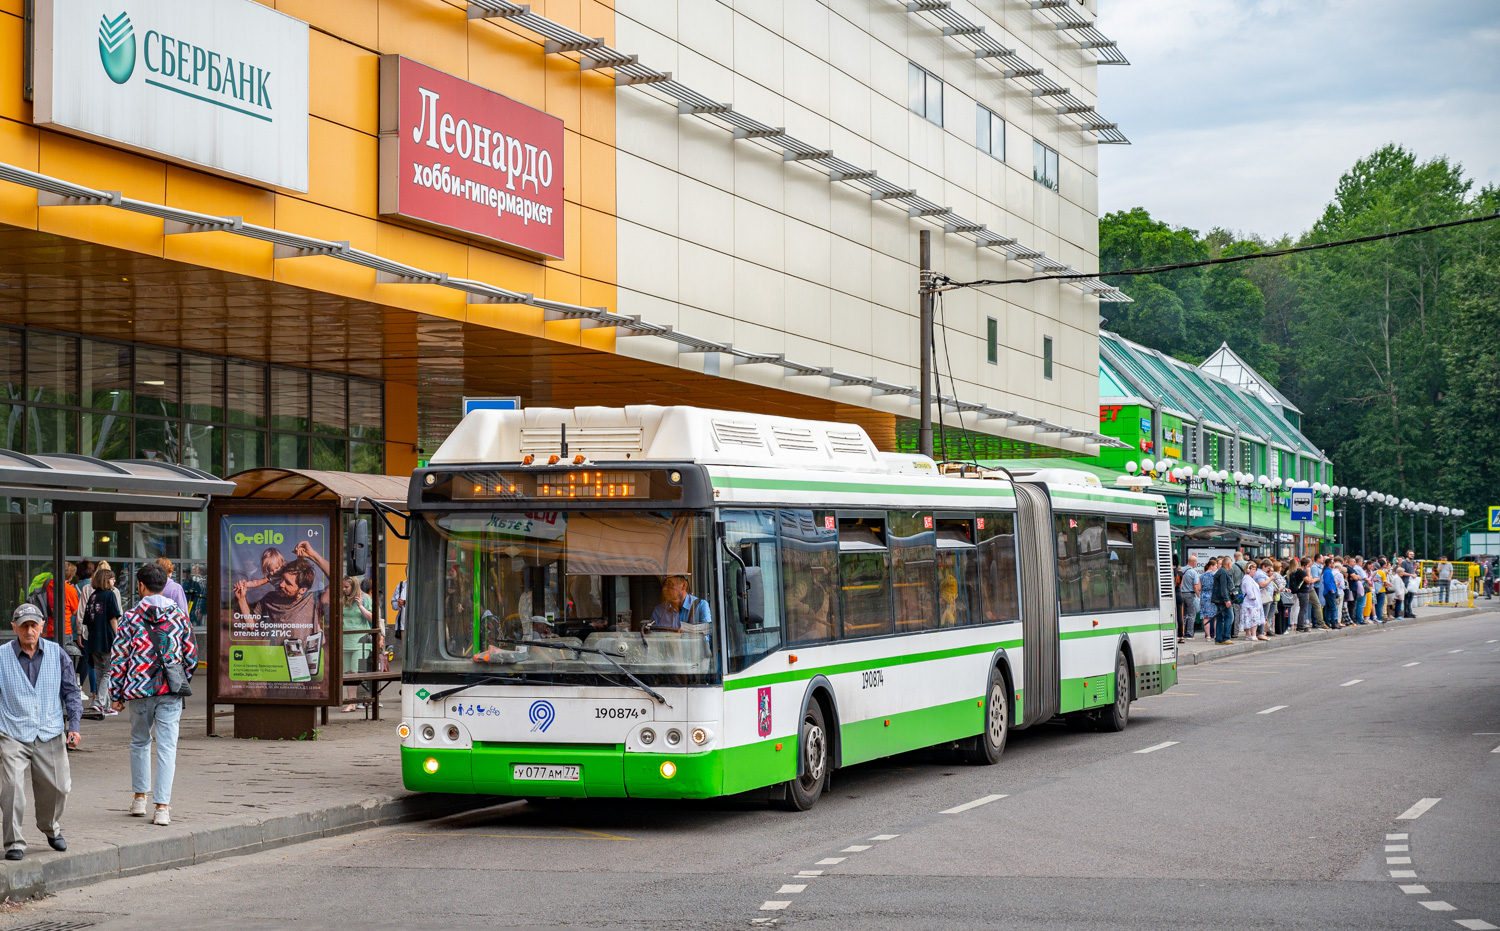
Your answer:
<point x="230" y="797"/>
<point x="1200" y="649"/>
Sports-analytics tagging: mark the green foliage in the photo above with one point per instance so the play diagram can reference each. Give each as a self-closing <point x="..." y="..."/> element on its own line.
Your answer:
<point x="1391" y="349"/>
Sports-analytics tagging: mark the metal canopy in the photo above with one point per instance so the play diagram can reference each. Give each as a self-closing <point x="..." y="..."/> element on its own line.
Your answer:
<point x="82" y="482"/>
<point x="317" y="485"/>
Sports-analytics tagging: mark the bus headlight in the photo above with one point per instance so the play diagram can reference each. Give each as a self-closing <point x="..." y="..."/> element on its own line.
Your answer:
<point x="431" y="765"/>
<point x="668" y="769"/>
<point x="427" y="732"/>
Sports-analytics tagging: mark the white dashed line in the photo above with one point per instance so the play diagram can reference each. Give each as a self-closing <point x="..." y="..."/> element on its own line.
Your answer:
<point x="1407" y="665"/>
<point x="801" y="873"/>
<point x="1439" y="906"/>
<point x="1161" y="746"/>
<point x="1350" y="682"/>
<point x="885" y="837"/>
<point x="1416" y="890"/>
<point x="1496" y="750"/>
<point x="1403" y="874"/>
<point x="1396" y="848"/>
<point x="1492" y="641"/>
<point x="1397" y="836"/>
<point x="1417" y="810"/>
<point x="974" y="804"/>
<point x="856" y="848"/>
<point x="774" y="906"/>
<point x="1394" y="861"/>
<point x="1474" y="924"/>
<point x="791" y="889"/>
<point x="1455" y="651"/>
<point x="1272" y="709"/>
<point x="831" y="861"/>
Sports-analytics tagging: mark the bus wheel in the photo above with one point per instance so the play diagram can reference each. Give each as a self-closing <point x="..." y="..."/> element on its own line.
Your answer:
<point x="1116" y="716"/>
<point x="802" y="792"/>
<point x="984" y="749"/>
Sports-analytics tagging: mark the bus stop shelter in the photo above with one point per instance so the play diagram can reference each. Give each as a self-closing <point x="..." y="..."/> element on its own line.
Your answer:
<point x="69" y="483"/>
<point x="268" y="510"/>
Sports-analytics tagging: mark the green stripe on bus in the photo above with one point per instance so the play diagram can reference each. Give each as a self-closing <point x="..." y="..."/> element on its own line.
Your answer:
<point x="792" y="675"/>
<point x="728" y="481"/>
<point x="1104" y="631"/>
<point x="901" y="731"/>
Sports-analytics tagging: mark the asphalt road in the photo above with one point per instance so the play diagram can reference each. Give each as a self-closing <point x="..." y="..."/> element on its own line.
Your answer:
<point x="1211" y="810"/>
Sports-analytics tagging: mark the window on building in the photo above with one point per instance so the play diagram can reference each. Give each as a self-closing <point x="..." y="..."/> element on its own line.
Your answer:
<point x="991" y="133"/>
<point x="992" y="340"/>
<point x="926" y="98"/>
<point x="1047" y="357"/>
<point x="1044" y="165"/>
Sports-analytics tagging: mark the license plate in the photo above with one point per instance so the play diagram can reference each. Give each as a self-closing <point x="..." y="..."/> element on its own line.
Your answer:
<point x="533" y="772"/>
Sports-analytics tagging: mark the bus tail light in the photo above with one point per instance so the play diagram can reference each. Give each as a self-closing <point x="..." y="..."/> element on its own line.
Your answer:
<point x="452" y="732"/>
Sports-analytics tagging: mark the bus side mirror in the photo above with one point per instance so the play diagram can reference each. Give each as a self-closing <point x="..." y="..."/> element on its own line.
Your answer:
<point x="753" y="598"/>
<point x="359" y="548"/>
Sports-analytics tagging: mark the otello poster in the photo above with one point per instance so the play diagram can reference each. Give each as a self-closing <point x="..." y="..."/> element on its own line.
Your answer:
<point x="274" y="590"/>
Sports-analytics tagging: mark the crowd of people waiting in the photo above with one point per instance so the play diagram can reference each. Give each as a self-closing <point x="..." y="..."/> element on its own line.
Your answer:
<point x="1257" y="599"/>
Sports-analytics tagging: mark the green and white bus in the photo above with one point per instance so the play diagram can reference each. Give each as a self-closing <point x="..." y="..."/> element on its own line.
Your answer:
<point x="670" y="602"/>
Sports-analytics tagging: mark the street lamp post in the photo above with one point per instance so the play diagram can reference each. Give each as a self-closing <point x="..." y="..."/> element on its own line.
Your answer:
<point x="1361" y="496"/>
<point x="1426" y="509"/>
<point x="1442" y="512"/>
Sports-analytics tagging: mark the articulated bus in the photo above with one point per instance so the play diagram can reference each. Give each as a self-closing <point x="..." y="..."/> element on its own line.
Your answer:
<point x="670" y="602"/>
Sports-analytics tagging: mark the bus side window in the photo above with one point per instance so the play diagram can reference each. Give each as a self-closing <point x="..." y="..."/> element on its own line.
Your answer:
<point x="1094" y="557"/>
<point x="997" y="567"/>
<point x="810" y="573"/>
<point x="914" y="571"/>
<point x="958" y="573"/>
<point x="752" y="586"/>
<point x="1122" y="594"/>
<point x="1069" y="565"/>
<point x="1144" y="543"/>
<point x="865" y="576"/>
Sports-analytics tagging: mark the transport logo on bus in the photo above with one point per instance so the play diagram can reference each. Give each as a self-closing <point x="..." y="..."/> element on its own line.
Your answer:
<point x="763" y="711"/>
<point x="542" y="715"/>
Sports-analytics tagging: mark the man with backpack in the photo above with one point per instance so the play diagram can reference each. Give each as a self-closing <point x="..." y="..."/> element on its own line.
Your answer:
<point x="154" y="656"/>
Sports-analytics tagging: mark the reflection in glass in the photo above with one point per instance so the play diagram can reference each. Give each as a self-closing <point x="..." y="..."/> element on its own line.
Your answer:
<point x="246" y="383"/>
<point x="201" y="451"/>
<point x="106" y="435"/>
<point x="106" y="376"/>
<point x="203" y="387"/>
<point x="49" y="430"/>
<point x="289" y="452"/>
<point x="329" y="455"/>
<point x="156" y="383"/>
<point x="330" y="411"/>
<point x="158" y="439"/>
<point x="51" y="368"/>
<point x="288" y="400"/>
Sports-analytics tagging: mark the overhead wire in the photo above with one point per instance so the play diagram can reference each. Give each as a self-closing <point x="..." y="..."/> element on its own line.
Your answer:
<point x="948" y="284"/>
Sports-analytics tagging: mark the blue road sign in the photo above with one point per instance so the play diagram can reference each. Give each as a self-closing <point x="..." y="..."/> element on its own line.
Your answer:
<point x="1302" y="505"/>
<point x="491" y="404"/>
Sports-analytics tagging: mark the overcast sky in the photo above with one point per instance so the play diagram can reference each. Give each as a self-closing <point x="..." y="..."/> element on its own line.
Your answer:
<point x="1244" y="113"/>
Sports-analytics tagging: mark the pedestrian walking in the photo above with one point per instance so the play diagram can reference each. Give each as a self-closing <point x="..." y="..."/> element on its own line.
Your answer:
<point x="39" y="711"/>
<point x="154" y="657"/>
<point x="1224" y="599"/>
<point x="101" y="616"/>
<point x="173" y="590"/>
<point x="1188" y="590"/>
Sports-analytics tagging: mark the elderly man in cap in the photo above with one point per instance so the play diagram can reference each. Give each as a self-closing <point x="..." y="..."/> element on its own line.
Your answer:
<point x="39" y="701"/>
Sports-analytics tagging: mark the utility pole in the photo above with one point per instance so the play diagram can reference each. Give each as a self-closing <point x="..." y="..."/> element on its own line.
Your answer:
<point x="924" y="293"/>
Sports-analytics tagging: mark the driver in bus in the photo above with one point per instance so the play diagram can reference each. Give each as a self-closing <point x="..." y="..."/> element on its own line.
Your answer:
<point x="679" y="608"/>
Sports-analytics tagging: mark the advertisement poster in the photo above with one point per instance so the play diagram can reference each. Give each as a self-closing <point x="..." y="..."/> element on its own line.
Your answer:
<point x="274" y="593"/>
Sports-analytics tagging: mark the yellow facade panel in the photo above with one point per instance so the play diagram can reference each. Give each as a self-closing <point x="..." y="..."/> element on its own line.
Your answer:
<point x="432" y="32"/>
<point x="564" y="99"/>
<point x="18" y="146"/>
<point x="102" y="167"/>
<point x="517" y="318"/>
<point x="12" y="46"/>
<point x="597" y="100"/>
<point x="422" y="249"/>
<point x="205" y="193"/>
<point x="572" y="166"/>
<point x="572" y="262"/>
<point x="507" y="271"/>
<point x="344" y="83"/>
<point x="342" y="167"/>
<point x="598" y="162"/>
<point x="507" y="63"/>
<point x="599" y="250"/>
<point x="358" y="21"/>
<point x="564" y="287"/>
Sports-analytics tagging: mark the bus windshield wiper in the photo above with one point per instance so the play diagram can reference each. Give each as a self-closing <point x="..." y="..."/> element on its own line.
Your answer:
<point x="552" y="645"/>
<point x="486" y="680"/>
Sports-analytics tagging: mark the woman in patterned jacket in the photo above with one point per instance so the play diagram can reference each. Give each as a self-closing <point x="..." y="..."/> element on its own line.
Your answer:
<point x="152" y="633"/>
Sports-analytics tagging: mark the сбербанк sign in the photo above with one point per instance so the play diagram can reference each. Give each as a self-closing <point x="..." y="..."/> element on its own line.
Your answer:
<point x="216" y="84"/>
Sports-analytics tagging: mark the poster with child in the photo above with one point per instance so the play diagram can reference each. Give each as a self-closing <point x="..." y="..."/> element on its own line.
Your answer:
<point x="273" y="605"/>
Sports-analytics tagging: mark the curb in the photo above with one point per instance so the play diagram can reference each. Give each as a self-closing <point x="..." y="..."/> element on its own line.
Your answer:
<point x="87" y="862"/>
<point x="1239" y="648"/>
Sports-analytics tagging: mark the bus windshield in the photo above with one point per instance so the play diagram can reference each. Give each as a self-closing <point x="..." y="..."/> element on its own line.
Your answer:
<point x="508" y="592"/>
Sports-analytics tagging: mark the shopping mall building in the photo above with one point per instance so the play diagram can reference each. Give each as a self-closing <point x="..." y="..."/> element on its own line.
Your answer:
<point x="299" y="233"/>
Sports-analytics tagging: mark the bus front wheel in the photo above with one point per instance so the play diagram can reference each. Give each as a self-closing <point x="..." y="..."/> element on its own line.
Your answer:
<point x="984" y="749"/>
<point x="802" y="792"/>
<point x="1117" y="715"/>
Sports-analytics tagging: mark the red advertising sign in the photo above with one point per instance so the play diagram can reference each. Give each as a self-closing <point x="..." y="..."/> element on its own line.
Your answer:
<point x="460" y="156"/>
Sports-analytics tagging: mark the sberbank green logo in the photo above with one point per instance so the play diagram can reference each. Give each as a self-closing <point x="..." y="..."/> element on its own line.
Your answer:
<point x="263" y="538"/>
<point x="117" y="47"/>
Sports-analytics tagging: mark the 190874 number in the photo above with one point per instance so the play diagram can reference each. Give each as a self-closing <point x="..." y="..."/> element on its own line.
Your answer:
<point x="619" y="712"/>
<point x="873" y="679"/>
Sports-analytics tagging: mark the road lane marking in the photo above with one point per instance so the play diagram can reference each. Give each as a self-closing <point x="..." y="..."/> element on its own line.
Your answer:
<point x="774" y="906"/>
<point x="1272" y="709"/>
<point x="790" y="889"/>
<point x="1475" y="924"/>
<point x="885" y="837"/>
<point x="1416" y="890"/>
<point x="1350" y="682"/>
<point x="1416" y="811"/>
<point x="801" y="873"/>
<point x="856" y="848"/>
<point x="1408" y="665"/>
<point x="1439" y="906"/>
<point x="831" y="861"/>
<point x="1496" y="750"/>
<point x="1455" y="651"/>
<point x="1397" y="861"/>
<point x="1492" y="641"/>
<point x="974" y="804"/>
<point x="1161" y="746"/>
<point x="1403" y="874"/>
<point x="1397" y="836"/>
<point x="1397" y="848"/>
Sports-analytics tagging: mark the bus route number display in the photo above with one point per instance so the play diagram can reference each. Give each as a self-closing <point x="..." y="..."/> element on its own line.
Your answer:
<point x="588" y="484"/>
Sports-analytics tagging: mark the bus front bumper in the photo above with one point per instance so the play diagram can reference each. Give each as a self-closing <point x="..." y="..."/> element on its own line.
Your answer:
<point x="604" y="771"/>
